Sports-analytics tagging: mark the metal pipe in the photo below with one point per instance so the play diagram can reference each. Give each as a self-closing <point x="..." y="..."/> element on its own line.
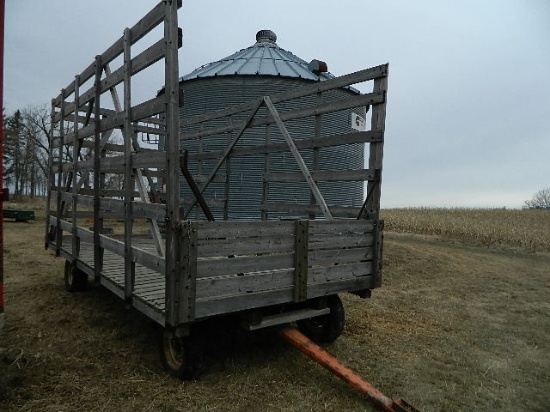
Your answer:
<point x="323" y="358"/>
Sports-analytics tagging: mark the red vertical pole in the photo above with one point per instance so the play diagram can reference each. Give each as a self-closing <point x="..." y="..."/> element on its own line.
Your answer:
<point x="2" y="168"/>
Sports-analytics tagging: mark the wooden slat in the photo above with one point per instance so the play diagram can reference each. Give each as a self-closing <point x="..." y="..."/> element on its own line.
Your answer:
<point x="225" y="266"/>
<point x="246" y="246"/>
<point x="350" y="240"/>
<point x="141" y="210"/>
<point x="330" y="107"/>
<point x="232" y="229"/>
<point x="148" y="108"/>
<point x="339" y="256"/>
<point x="336" y="83"/>
<point x="321" y="175"/>
<point x="105" y="192"/>
<point x="326" y="274"/>
<point x="243" y="285"/>
<point x="191" y="202"/>
<point x="302" y="209"/>
<point x="210" y="307"/>
<point x="140" y="160"/>
<point x="305" y="143"/>
<point x="116" y="120"/>
<point x="319" y="227"/>
<point x="145" y="59"/>
<point x="345" y="285"/>
<point x="150" y="130"/>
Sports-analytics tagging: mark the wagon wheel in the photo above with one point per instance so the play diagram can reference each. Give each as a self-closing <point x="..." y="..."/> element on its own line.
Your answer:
<point x="75" y="279"/>
<point x="325" y="328"/>
<point x="176" y="355"/>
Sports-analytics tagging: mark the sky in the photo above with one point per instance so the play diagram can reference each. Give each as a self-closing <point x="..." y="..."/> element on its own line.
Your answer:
<point x="468" y="112"/>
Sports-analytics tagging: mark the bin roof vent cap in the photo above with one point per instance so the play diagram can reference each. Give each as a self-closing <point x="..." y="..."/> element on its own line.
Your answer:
<point x="266" y="36"/>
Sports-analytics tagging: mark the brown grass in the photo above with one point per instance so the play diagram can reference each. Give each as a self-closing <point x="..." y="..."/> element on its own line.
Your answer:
<point x="454" y="328"/>
<point x="525" y="229"/>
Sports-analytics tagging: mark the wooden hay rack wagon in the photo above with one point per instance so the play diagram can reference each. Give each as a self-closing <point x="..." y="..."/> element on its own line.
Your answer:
<point x="268" y="271"/>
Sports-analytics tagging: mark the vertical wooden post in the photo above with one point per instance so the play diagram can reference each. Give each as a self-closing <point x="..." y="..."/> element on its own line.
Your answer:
<point x="51" y="177"/>
<point x="378" y="120"/>
<point x="129" y="265"/>
<point x="372" y="203"/>
<point x="187" y="288"/>
<point x="76" y="151"/>
<point x="98" y="223"/>
<point x="58" y="231"/>
<point x="316" y="134"/>
<point x="173" y="218"/>
<point x="227" y="188"/>
<point x="267" y="167"/>
<point x="301" y="259"/>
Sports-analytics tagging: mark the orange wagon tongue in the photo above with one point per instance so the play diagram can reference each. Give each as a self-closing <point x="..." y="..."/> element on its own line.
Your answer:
<point x="323" y="358"/>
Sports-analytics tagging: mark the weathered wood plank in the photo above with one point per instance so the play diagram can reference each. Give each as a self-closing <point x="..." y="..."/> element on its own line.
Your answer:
<point x="302" y="209"/>
<point x="150" y="130"/>
<point x="142" y="160"/>
<point x="324" y="227"/>
<point x="330" y="107"/>
<point x="141" y="210"/>
<point x="301" y="260"/>
<point x="336" y="83"/>
<point x="243" y="285"/>
<point x="326" y="274"/>
<point x="347" y="285"/>
<point x="320" y="175"/>
<point x="210" y="307"/>
<point x="243" y="264"/>
<point x="246" y="246"/>
<point x="148" y="108"/>
<point x="302" y="143"/>
<point x="350" y="240"/>
<point x="339" y="256"/>
<point x="299" y="160"/>
<point x="242" y="229"/>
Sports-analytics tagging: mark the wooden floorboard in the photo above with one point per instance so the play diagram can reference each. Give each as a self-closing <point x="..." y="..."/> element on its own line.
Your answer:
<point x="149" y="285"/>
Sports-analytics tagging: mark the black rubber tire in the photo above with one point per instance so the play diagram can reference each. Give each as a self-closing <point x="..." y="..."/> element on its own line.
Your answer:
<point x="176" y="354"/>
<point x="75" y="279"/>
<point x="326" y="328"/>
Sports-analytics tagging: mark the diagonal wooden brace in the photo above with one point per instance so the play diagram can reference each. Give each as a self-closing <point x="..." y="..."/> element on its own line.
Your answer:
<point x="307" y="175"/>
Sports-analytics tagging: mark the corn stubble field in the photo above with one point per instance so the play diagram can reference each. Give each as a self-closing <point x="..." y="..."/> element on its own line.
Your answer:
<point x="460" y="324"/>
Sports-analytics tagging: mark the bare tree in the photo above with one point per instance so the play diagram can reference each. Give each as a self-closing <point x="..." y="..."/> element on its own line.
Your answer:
<point x="36" y="133"/>
<point x="26" y="142"/>
<point x="540" y="200"/>
<point x="13" y="152"/>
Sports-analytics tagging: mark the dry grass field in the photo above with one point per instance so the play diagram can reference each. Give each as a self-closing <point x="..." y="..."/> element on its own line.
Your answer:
<point x="528" y="230"/>
<point x="460" y="324"/>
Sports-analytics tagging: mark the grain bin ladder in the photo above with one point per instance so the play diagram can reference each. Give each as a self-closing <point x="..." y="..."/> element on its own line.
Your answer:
<point x="323" y="358"/>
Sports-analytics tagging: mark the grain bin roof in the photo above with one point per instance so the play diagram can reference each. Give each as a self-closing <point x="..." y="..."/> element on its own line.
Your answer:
<point x="264" y="58"/>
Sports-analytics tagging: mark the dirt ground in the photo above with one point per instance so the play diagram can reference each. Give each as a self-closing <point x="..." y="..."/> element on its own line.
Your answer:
<point x="454" y="328"/>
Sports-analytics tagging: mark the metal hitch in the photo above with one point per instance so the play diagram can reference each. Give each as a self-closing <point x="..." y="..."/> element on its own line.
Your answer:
<point x="323" y="358"/>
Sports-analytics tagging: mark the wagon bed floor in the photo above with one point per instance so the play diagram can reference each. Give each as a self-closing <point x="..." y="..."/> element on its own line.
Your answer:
<point x="148" y="296"/>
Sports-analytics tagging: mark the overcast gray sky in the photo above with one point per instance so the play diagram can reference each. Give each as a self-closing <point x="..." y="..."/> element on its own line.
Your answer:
<point x="468" y="121"/>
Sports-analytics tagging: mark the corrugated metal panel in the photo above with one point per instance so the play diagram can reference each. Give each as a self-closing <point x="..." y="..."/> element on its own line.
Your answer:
<point x="205" y="95"/>
<point x="265" y="69"/>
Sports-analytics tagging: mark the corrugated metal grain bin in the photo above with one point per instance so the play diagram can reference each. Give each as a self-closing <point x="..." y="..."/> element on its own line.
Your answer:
<point x="266" y="69"/>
